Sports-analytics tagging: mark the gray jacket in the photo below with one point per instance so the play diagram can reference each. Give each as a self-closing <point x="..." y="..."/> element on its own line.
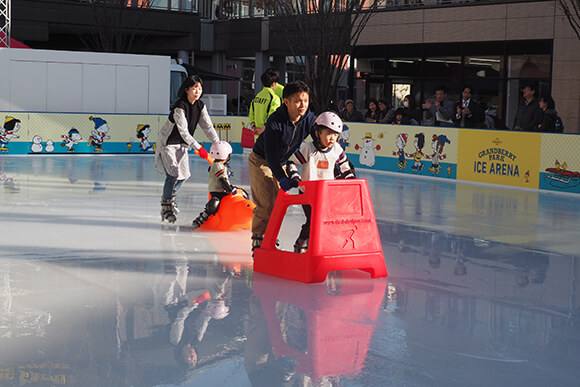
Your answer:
<point x="443" y="114"/>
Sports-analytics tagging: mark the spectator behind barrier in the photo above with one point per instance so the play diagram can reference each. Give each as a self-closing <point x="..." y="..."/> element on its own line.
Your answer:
<point x="350" y="113"/>
<point x="529" y="114"/>
<point x="551" y="122"/>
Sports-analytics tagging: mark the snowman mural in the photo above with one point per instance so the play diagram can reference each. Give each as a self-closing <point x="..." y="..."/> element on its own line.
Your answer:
<point x="7" y="132"/>
<point x="36" y="146"/>
<point x="142" y="134"/>
<point x="367" y="153"/>
<point x="71" y="139"/>
<point x="49" y="146"/>
<point x="99" y="135"/>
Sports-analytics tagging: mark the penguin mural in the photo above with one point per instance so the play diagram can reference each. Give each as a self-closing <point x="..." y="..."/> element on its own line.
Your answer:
<point x="437" y="143"/>
<point x="367" y="153"/>
<point x="142" y="134"/>
<point x="99" y="135"/>
<point x="71" y="139"/>
<point x="418" y="155"/>
<point x="7" y="132"/>
<point x="36" y="146"/>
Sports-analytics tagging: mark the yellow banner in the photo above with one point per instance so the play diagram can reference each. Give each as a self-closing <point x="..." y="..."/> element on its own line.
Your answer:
<point x="499" y="157"/>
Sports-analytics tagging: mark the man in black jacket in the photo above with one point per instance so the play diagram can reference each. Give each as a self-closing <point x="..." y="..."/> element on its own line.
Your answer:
<point x="469" y="113"/>
<point x="285" y="130"/>
<point x="529" y="114"/>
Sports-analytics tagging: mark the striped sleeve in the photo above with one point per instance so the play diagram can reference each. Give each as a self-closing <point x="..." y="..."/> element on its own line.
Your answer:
<point x="344" y="168"/>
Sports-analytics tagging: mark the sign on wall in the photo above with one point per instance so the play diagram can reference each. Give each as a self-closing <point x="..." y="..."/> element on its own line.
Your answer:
<point x="499" y="157"/>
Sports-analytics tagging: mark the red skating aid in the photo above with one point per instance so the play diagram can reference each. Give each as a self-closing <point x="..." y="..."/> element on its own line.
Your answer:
<point x="335" y="329"/>
<point x="343" y="233"/>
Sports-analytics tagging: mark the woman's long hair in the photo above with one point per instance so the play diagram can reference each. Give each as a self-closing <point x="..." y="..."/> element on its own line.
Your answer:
<point x="189" y="82"/>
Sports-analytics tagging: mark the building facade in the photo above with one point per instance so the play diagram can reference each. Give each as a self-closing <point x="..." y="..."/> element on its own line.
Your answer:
<point x="408" y="46"/>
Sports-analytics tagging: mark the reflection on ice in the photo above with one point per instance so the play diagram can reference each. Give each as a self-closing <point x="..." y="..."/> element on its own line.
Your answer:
<point x="94" y="291"/>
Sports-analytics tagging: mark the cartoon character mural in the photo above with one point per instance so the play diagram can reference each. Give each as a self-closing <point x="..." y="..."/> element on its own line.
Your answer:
<point x="99" y="135"/>
<point x="71" y="139"/>
<point x="36" y="146"/>
<point x="7" y="132"/>
<point x="401" y="142"/>
<point x="142" y="133"/>
<point x="560" y="177"/>
<point x="344" y="137"/>
<point x="9" y="183"/>
<point x="418" y="155"/>
<point x="49" y="146"/>
<point x="437" y="144"/>
<point x="367" y="154"/>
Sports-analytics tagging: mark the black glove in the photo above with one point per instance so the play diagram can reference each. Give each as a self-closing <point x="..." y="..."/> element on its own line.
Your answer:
<point x="285" y="184"/>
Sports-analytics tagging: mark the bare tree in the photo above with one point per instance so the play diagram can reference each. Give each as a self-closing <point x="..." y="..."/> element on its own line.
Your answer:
<point x="116" y="25"/>
<point x="321" y="35"/>
<point x="571" y="9"/>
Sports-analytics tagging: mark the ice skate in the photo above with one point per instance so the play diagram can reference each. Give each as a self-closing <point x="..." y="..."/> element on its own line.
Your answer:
<point x="167" y="212"/>
<point x="174" y="205"/>
<point x="256" y="242"/>
<point x="301" y="245"/>
<point x="200" y="220"/>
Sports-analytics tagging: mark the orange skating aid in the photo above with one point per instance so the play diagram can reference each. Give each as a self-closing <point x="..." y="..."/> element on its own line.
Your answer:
<point x="235" y="212"/>
<point x="343" y="233"/>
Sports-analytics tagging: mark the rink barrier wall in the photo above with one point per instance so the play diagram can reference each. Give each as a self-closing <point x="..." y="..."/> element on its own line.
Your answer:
<point x="521" y="159"/>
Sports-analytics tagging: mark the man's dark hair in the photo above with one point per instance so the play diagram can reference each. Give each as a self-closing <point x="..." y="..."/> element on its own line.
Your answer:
<point x="443" y="88"/>
<point x="467" y="86"/>
<point x="295" y="87"/>
<point x="531" y="85"/>
<point x="269" y="77"/>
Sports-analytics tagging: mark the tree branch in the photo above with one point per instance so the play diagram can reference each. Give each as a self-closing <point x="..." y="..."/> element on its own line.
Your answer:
<point x="571" y="9"/>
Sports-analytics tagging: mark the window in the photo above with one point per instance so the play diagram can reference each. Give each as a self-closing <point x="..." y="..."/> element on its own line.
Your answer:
<point x="409" y="67"/>
<point x="529" y="66"/>
<point x="443" y="67"/>
<point x="483" y="66"/>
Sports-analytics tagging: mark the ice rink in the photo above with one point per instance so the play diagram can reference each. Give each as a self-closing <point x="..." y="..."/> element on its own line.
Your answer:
<point x="96" y="291"/>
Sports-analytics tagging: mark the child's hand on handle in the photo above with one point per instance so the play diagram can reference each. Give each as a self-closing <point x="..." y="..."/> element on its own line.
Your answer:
<point x="285" y="184"/>
<point x="295" y="180"/>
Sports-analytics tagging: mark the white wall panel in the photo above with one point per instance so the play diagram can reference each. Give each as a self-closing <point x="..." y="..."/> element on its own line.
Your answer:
<point x="64" y="87"/>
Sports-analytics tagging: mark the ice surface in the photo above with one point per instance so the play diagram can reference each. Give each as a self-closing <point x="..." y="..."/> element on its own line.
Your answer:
<point x="96" y="291"/>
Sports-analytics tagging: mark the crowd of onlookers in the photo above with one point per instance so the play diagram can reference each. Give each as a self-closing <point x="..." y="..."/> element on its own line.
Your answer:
<point x="533" y="114"/>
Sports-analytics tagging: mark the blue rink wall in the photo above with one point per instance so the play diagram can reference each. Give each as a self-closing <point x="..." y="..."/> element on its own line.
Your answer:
<point x="521" y="159"/>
